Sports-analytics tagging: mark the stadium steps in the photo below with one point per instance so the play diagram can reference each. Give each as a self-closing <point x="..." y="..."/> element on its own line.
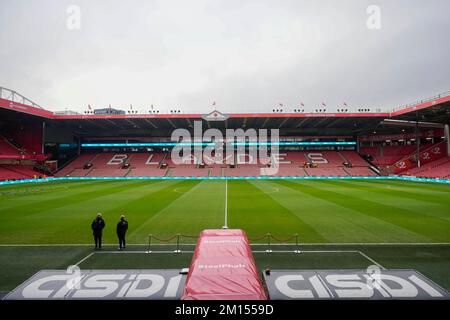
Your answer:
<point x="69" y="173"/>
<point x="375" y="169"/>
<point x="7" y="148"/>
<point x="359" y="155"/>
<point x="345" y="170"/>
<point x="15" y="145"/>
<point x="17" y="171"/>
<point x="127" y="160"/>
<point x="128" y="172"/>
<point x="93" y="159"/>
<point x="163" y="160"/>
<point x="306" y="172"/>
<point x="88" y="171"/>
<point x="368" y="162"/>
<point x="344" y="159"/>
<point x="68" y="163"/>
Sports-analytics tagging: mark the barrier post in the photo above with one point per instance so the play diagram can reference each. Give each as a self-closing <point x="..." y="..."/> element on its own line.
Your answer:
<point x="297" y="246"/>
<point x="268" y="243"/>
<point x="149" y="243"/>
<point x="178" y="244"/>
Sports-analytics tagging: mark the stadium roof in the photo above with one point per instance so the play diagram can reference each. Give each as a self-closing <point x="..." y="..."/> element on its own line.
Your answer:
<point x="435" y="109"/>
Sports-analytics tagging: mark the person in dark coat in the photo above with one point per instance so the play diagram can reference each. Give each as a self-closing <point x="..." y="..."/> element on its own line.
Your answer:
<point x="97" y="228"/>
<point x="122" y="227"/>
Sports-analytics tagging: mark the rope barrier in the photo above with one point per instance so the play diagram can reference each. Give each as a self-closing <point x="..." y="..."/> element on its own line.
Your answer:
<point x="282" y="241"/>
<point x="189" y="236"/>
<point x="268" y="236"/>
<point x="163" y="240"/>
<point x="258" y="238"/>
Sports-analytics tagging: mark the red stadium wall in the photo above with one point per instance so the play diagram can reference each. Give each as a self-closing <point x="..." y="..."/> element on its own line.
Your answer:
<point x="223" y="268"/>
<point x="16" y="106"/>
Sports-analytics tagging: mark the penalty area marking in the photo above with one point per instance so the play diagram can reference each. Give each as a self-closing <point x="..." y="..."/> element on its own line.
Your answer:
<point x="371" y="260"/>
<point x="126" y="252"/>
<point x="256" y="251"/>
<point x="84" y="259"/>
<point x="329" y="251"/>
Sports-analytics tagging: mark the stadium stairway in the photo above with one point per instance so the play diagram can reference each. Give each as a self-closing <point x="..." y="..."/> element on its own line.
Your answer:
<point x="18" y="172"/>
<point x="436" y="169"/>
<point x="354" y="158"/>
<point x="6" y="148"/>
<point x="216" y="171"/>
<point x="76" y="163"/>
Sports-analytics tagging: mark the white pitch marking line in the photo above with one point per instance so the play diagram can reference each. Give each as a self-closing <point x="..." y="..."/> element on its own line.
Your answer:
<point x="329" y="251"/>
<point x="318" y="244"/>
<point x="310" y="251"/>
<point x="85" y="258"/>
<point x="371" y="260"/>
<point x="275" y="251"/>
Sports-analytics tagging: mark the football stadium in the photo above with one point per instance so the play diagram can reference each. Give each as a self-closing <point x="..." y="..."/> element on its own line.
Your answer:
<point x="362" y="190"/>
<point x="215" y="159"/>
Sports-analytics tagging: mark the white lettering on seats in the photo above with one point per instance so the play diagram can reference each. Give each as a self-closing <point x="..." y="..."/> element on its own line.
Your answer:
<point x="316" y="158"/>
<point x="117" y="159"/>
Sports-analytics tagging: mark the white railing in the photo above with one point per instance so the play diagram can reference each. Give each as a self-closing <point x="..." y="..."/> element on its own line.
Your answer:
<point x="14" y="96"/>
<point x="417" y="102"/>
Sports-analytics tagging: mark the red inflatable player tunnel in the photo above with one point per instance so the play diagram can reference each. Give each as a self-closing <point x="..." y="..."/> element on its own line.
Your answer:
<point x="223" y="268"/>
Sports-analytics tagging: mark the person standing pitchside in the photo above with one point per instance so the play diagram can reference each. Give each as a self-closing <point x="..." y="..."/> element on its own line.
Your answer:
<point x="97" y="228"/>
<point x="122" y="227"/>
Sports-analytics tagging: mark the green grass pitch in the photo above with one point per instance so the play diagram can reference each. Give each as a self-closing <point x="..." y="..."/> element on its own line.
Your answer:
<point x="396" y="224"/>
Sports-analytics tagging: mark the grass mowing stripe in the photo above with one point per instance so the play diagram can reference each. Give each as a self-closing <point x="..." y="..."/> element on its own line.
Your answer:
<point x="127" y="202"/>
<point x="423" y="189"/>
<point x="200" y="207"/>
<point x="414" y="185"/>
<point x="40" y="191"/>
<point x="68" y="221"/>
<point x="48" y="202"/>
<point x="437" y="206"/>
<point x="436" y="230"/>
<point x="335" y="222"/>
<point x="319" y="214"/>
<point x="414" y="194"/>
<point x="51" y="184"/>
<point x="253" y="210"/>
<point x="152" y="205"/>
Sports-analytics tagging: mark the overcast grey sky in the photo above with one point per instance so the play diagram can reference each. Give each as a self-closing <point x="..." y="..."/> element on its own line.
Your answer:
<point x="246" y="55"/>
